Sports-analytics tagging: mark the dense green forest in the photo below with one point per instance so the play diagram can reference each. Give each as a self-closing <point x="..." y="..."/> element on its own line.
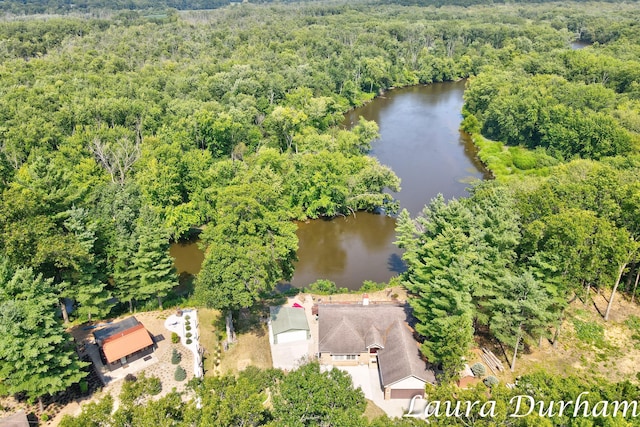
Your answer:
<point x="157" y="7"/>
<point x="561" y="218"/>
<point x="120" y="132"/>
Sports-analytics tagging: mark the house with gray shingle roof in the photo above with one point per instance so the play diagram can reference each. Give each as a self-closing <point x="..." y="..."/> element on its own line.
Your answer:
<point x="378" y="336"/>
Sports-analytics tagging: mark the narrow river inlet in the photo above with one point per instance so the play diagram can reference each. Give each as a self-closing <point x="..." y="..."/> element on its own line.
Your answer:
<point x="420" y="140"/>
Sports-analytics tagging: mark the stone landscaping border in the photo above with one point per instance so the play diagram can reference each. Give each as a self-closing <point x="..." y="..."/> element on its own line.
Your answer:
<point x="178" y="323"/>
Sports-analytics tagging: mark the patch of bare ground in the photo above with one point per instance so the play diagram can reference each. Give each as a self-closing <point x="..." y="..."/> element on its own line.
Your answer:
<point x="251" y="349"/>
<point x="396" y="294"/>
<point x="615" y="357"/>
<point x="373" y="411"/>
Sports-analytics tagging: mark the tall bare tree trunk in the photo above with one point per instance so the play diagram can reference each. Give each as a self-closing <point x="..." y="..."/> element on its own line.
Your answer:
<point x="515" y="350"/>
<point x="558" y="328"/>
<point x="160" y="302"/>
<point x="229" y="324"/>
<point x="63" y="309"/>
<point x="613" y="292"/>
<point x="131" y="305"/>
<point x="635" y="286"/>
<point x="586" y="293"/>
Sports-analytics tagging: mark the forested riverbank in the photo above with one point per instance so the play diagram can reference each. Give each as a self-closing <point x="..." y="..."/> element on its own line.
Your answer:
<point x="120" y="131"/>
<point x="559" y="222"/>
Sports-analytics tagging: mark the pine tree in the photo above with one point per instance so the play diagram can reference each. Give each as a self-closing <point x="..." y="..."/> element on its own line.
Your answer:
<point x="37" y="355"/>
<point x="125" y="276"/>
<point x="119" y="209"/>
<point x="440" y="278"/>
<point x="523" y="308"/>
<point x="87" y="285"/>
<point x="153" y="264"/>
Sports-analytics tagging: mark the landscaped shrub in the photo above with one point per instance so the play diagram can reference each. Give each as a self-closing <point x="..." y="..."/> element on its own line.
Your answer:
<point x="189" y="341"/>
<point x="490" y="381"/>
<point x="187" y="317"/>
<point x="175" y="338"/>
<point x="176" y="357"/>
<point x="188" y="327"/>
<point x="44" y="417"/>
<point x="189" y="335"/>
<point x="478" y="369"/>
<point x="130" y="378"/>
<point x="180" y="374"/>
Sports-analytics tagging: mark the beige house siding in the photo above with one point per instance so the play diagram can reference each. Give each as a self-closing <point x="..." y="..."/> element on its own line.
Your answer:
<point x="361" y="359"/>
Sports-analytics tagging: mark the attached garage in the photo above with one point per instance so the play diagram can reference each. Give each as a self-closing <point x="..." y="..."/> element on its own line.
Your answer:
<point x="402" y="393"/>
<point x="405" y="388"/>
<point x="288" y="325"/>
<point x="403" y="373"/>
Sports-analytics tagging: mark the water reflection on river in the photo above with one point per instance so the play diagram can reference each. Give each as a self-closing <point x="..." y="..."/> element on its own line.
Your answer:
<point x="420" y="141"/>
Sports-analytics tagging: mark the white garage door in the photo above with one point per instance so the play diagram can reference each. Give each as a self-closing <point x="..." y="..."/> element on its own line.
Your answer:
<point x="291" y="336"/>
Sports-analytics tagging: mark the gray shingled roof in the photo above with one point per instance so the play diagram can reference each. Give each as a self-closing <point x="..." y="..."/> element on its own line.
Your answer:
<point x="19" y="419"/>
<point x="351" y="329"/>
<point x="374" y="338"/>
<point x="285" y="319"/>
<point x="401" y="357"/>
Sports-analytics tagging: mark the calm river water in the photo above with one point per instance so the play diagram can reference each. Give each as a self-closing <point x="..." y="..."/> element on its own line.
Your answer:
<point x="420" y="141"/>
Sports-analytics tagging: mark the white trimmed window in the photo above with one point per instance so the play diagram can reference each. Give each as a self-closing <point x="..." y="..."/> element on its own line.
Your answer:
<point x="342" y="357"/>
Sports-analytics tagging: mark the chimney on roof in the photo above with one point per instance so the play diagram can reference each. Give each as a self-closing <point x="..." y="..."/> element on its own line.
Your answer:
<point x="365" y="299"/>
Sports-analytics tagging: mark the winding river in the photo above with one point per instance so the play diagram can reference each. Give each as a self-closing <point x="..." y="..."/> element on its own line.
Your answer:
<point x="420" y="141"/>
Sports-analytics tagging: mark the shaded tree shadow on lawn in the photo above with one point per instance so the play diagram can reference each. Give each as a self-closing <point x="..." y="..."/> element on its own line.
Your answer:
<point x="251" y="320"/>
<point x="255" y="318"/>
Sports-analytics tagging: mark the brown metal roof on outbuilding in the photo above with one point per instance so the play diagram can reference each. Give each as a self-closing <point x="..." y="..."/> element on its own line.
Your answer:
<point x="120" y="341"/>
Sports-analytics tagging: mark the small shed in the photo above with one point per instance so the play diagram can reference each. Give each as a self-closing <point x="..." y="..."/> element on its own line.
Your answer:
<point x="123" y="342"/>
<point x="289" y="324"/>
